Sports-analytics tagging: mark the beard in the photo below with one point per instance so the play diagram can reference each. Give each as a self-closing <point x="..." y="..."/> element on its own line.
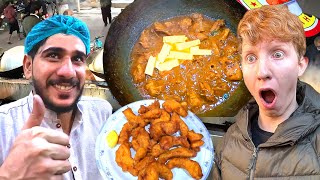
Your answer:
<point x="51" y="105"/>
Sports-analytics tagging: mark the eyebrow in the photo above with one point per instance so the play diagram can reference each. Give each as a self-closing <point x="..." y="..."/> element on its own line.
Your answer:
<point x="58" y="49"/>
<point x="80" y="53"/>
<point x="53" y="49"/>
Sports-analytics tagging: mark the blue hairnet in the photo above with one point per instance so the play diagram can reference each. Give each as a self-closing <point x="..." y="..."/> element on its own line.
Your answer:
<point x="55" y="25"/>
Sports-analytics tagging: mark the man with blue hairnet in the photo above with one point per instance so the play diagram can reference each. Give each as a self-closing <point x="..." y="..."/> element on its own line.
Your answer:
<point x="51" y="133"/>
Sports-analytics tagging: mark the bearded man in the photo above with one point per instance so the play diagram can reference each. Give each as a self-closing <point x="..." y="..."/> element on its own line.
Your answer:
<point x="51" y="133"/>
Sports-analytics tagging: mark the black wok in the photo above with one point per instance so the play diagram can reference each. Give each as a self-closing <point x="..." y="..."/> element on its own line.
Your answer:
<point x="15" y="73"/>
<point x="126" y="30"/>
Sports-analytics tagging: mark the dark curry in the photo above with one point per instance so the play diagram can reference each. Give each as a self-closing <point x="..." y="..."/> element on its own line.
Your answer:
<point x="204" y="82"/>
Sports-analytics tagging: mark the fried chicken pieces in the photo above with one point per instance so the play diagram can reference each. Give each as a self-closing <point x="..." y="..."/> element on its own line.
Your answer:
<point x="169" y="143"/>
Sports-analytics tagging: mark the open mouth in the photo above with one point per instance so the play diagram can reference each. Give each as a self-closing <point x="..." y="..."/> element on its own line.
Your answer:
<point x="268" y="95"/>
<point x="63" y="87"/>
<point x="64" y="84"/>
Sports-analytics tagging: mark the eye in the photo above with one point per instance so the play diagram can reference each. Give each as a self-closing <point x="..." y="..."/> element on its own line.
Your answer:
<point x="53" y="55"/>
<point x="251" y="58"/>
<point x="278" y="55"/>
<point x="79" y="59"/>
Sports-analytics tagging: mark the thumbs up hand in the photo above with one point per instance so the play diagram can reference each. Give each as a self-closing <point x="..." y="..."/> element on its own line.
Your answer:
<point x="37" y="113"/>
<point x="37" y="152"/>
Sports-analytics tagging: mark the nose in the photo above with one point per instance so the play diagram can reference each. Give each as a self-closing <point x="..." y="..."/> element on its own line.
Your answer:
<point x="67" y="69"/>
<point x="263" y="69"/>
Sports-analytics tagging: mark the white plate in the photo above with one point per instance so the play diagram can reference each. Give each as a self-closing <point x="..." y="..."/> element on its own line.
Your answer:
<point x="105" y="156"/>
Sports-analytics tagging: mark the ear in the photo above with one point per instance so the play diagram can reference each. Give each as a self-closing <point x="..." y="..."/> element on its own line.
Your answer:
<point x="303" y="64"/>
<point x="27" y="66"/>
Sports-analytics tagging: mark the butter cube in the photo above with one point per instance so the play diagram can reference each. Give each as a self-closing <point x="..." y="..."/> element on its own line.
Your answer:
<point x="196" y="51"/>
<point x="180" y="55"/>
<point x="174" y="39"/>
<point x="168" y="65"/>
<point x="150" y="66"/>
<point x="184" y="45"/>
<point x="164" y="52"/>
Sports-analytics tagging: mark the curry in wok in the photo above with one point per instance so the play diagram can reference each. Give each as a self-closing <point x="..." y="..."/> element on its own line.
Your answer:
<point x="191" y="59"/>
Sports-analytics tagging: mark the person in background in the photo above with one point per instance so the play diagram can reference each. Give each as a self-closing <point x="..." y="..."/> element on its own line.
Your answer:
<point x="68" y="12"/>
<point x="277" y="135"/>
<point x="27" y="8"/>
<point x="32" y="19"/>
<point x="313" y="53"/>
<point x="10" y="14"/>
<point x="106" y="11"/>
<point x="51" y="133"/>
<point x="36" y="4"/>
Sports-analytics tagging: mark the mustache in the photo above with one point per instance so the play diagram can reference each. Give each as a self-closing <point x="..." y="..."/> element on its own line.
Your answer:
<point x="72" y="81"/>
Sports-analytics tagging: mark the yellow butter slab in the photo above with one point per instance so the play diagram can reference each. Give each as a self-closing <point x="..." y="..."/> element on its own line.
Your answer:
<point x="174" y="39"/>
<point x="184" y="45"/>
<point x="164" y="52"/>
<point x="187" y="50"/>
<point x="168" y="65"/>
<point x="150" y="65"/>
<point x="180" y="55"/>
<point x="196" y="51"/>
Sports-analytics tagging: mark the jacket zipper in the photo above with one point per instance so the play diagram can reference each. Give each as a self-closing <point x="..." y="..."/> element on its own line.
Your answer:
<point x="253" y="163"/>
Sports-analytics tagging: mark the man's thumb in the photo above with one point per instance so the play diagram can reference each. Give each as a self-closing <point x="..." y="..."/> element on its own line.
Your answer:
<point x="37" y="113"/>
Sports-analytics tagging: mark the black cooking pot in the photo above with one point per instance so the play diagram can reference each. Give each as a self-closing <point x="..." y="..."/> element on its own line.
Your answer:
<point x="126" y="30"/>
<point x="15" y="73"/>
<point x="93" y="55"/>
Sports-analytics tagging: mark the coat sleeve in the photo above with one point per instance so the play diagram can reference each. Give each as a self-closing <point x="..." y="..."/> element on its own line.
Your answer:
<point x="316" y="140"/>
<point x="217" y="175"/>
<point x="217" y="160"/>
<point x="216" y="170"/>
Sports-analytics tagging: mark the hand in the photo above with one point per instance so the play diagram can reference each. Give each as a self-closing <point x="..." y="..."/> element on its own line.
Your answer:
<point x="37" y="152"/>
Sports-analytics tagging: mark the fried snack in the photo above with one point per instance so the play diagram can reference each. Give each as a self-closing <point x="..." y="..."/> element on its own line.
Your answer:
<point x="177" y="152"/>
<point x="156" y="131"/>
<point x="197" y="149"/>
<point x="193" y="136"/>
<point x="140" y="153"/>
<point x="144" y="163"/>
<point x="182" y="125"/>
<point x="124" y="160"/>
<point x="167" y="142"/>
<point x="156" y="150"/>
<point x="163" y="128"/>
<point x="150" y="173"/>
<point x="140" y="137"/>
<point x="163" y="171"/>
<point x="162" y="143"/>
<point x="191" y="166"/>
<point x="170" y="127"/>
<point x="152" y="142"/>
<point x="165" y="116"/>
<point x="140" y="142"/>
<point x="143" y="109"/>
<point x="151" y="114"/>
<point x="174" y="106"/>
<point x="125" y="133"/>
<point x="196" y="144"/>
<point x="133" y="119"/>
<point x="156" y="170"/>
